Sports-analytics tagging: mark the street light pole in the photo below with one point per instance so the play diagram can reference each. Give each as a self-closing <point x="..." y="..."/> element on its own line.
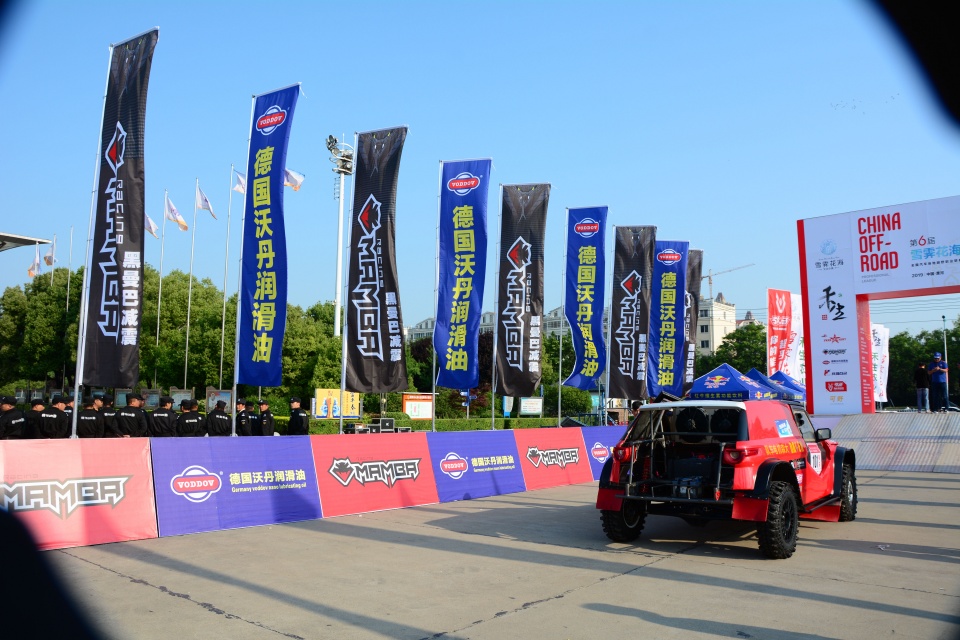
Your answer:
<point x="341" y="155"/>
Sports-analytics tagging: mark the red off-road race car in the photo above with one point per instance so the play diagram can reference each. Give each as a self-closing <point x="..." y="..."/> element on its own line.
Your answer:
<point x="700" y="460"/>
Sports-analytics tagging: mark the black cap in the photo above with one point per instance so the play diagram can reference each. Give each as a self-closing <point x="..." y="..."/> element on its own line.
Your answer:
<point x="57" y="400"/>
<point x="263" y="401"/>
<point x="87" y="400"/>
<point x="294" y="399"/>
<point x="241" y="401"/>
<point x="248" y="403"/>
<point x="185" y="402"/>
<point x="165" y="400"/>
<point x="36" y="401"/>
<point x="134" y="396"/>
<point x="8" y="400"/>
<point x="221" y="404"/>
<point x="194" y="404"/>
<point x="107" y="397"/>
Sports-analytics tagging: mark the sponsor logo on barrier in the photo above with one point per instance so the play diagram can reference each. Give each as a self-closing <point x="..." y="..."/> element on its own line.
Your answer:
<point x="587" y="228"/>
<point x="270" y="120"/>
<point x="834" y="338"/>
<point x="463" y="183"/>
<point x="552" y="457"/>
<point x="600" y="452"/>
<point x="454" y="466"/>
<point x="669" y="257"/>
<point x="834" y="352"/>
<point x="195" y="483"/>
<point x="389" y="472"/>
<point x="62" y="498"/>
<point x="836" y="385"/>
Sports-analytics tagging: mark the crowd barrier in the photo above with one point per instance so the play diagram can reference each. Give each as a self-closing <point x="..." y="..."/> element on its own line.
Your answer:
<point x="83" y="492"/>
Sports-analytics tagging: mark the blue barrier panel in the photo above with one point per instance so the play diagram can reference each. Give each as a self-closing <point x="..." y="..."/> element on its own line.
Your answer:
<point x="599" y="442"/>
<point x="475" y="464"/>
<point x="205" y="484"/>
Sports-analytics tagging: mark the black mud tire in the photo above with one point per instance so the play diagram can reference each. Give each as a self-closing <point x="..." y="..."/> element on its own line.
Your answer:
<point x="848" y="494"/>
<point x="626" y="524"/>
<point x="778" y="535"/>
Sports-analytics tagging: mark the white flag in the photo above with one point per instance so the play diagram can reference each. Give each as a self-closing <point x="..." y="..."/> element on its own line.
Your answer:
<point x="170" y="213"/>
<point x="50" y="256"/>
<point x="151" y="226"/>
<point x="34" y="268"/>
<point x="292" y="179"/>
<point x="241" y="186"/>
<point x="203" y="202"/>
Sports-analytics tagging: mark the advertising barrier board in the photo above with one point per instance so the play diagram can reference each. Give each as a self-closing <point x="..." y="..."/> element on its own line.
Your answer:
<point x="361" y="473"/>
<point x="599" y="442"/>
<point x="552" y="457"/>
<point x="72" y="493"/>
<point x="475" y="464"/>
<point x="206" y="484"/>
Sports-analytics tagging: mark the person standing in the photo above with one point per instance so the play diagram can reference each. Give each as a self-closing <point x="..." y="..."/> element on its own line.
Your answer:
<point x="163" y="420"/>
<point x="218" y="422"/>
<point x="189" y="422"/>
<point x="13" y="425"/>
<point x="252" y="418"/>
<point x="53" y="421"/>
<point x="109" y="413"/>
<point x="938" y="383"/>
<point x="243" y="419"/>
<point x="265" y="419"/>
<point x="299" y="421"/>
<point x="131" y="421"/>
<point x="89" y="420"/>
<point x="921" y="380"/>
<point x="32" y="427"/>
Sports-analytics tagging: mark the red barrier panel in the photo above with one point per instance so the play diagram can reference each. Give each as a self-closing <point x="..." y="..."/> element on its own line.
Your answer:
<point x="372" y="472"/>
<point x="552" y="457"/>
<point x="71" y="493"/>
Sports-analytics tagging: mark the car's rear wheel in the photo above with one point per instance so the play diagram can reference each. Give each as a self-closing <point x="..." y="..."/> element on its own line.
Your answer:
<point x="778" y="535"/>
<point x="848" y="494"/>
<point x="626" y="524"/>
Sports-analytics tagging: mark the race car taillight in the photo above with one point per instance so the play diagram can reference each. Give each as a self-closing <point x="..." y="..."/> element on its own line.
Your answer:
<point x="622" y="453"/>
<point x="736" y="456"/>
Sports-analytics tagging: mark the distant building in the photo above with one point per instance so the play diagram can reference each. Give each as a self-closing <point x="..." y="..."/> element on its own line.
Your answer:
<point x="554" y="322"/>
<point x="747" y="320"/>
<point x="424" y="328"/>
<point x="716" y="319"/>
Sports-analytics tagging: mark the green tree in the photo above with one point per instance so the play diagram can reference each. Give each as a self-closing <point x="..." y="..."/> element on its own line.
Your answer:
<point x="743" y="349"/>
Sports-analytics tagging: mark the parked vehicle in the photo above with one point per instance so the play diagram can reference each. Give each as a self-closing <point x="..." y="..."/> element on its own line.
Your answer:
<point x="758" y="460"/>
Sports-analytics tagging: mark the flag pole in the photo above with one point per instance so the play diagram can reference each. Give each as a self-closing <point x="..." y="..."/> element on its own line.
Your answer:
<point x="53" y="258"/>
<point x="236" y="339"/>
<point x="496" y="312"/>
<point x="163" y="239"/>
<point x="436" y="303"/>
<point x="345" y="284"/>
<point x="193" y="240"/>
<point x="85" y="291"/>
<point x="563" y="315"/>
<point x="66" y="311"/>
<point x="226" y="262"/>
<point x="612" y="256"/>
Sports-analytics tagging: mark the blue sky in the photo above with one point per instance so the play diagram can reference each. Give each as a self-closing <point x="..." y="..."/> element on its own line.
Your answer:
<point x="721" y="123"/>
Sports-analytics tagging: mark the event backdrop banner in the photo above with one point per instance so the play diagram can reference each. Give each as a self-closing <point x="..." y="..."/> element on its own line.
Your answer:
<point x="600" y="442"/>
<point x="376" y="360"/>
<point x="262" y="315"/>
<point x="206" y="484"/>
<point x="475" y="464"/>
<point x="584" y="293"/>
<point x="552" y="457"/>
<point x="881" y="360"/>
<point x="630" y="311"/>
<point x="115" y="295"/>
<point x="72" y="493"/>
<point x="784" y="333"/>
<point x="327" y="403"/>
<point x="691" y="312"/>
<point x="358" y="474"/>
<point x="462" y="259"/>
<point x="665" y="359"/>
<point x="520" y="303"/>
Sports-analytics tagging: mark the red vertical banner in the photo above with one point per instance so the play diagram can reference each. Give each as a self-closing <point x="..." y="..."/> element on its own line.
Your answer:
<point x="72" y="493"/>
<point x="552" y="457"/>
<point x="779" y="319"/>
<point x="357" y="474"/>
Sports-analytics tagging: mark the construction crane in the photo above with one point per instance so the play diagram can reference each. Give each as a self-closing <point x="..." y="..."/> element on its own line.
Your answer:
<point x="710" y="274"/>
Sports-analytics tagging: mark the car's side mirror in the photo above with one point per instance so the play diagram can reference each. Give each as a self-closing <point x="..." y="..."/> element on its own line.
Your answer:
<point x="823" y="434"/>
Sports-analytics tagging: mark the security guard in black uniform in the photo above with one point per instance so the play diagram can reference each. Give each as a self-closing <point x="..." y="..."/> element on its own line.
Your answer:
<point x="243" y="419"/>
<point x="32" y="428"/>
<point x="109" y="413"/>
<point x="218" y="422"/>
<point x="265" y="418"/>
<point x="53" y="421"/>
<point x="89" y="421"/>
<point x="131" y="421"/>
<point x="252" y="417"/>
<point x="13" y="425"/>
<point x="190" y="423"/>
<point x="163" y="420"/>
<point x="299" y="421"/>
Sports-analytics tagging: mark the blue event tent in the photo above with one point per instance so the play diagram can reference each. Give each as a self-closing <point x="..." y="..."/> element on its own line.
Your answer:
<point x="726" y="383"/>
<point x="783" y="379"/>
<point x="783" y="393"/>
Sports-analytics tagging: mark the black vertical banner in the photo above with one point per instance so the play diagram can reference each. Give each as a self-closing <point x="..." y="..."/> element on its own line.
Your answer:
<point x="112" y="344"/>
<point x="376" y="360"/>
<point x="630" y="311"/>
<point x="520" y="304"/>
<point x="691" y="312"/>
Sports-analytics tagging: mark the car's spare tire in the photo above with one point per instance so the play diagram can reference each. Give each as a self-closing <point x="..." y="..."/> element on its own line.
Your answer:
<point x="692" y="424"/>
<point x="725" y="422"/>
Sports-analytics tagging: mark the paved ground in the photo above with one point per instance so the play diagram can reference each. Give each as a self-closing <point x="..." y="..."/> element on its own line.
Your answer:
<point x="536" y="565"/>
